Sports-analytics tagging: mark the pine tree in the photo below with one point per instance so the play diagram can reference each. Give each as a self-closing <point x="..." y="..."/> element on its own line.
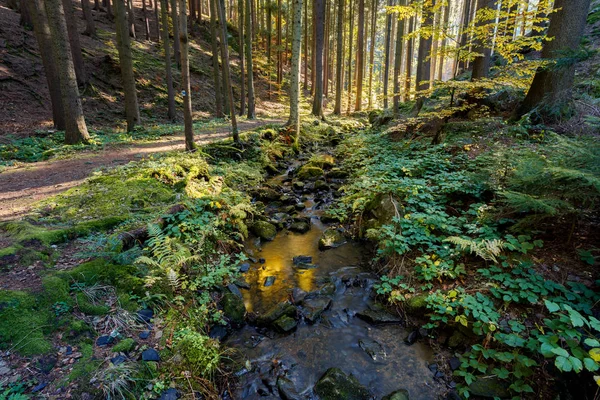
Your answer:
<point x="294" y="120"/>
<point x="360" y="55"/>
<point x="190" y="145"/>
<point x="317" y="108"/>
<point x="168" y="69"/>
<point x="249" y="62"/>
<point x="339" y="75"/>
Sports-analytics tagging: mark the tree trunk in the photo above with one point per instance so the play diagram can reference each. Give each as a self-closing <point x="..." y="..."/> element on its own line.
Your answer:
<point x="25" y="19"/>
<point x="444" y="43"/>
<point x="126" y="63"/>
<point x="130" y="18"/>
<point x="109" y="9"/>
<point x="326" y="51"/>
<point x="241" y="54"/>
<point x="220" y="6"/>
<point x="552" y="86"/>
<point x="75" y="127"/>
<point x="387" y="51"/>
<point x="250" y="17"/>
<point x="409" y="59"/>
<point x="295" y="68"/>
<point x="350" y="36"/>
<point x="215" y="61"/>
<point x="76" y="54"/>
<point x="278" y="52"/>
<point x="372" y="50"/>
<point x="398" y="62"/>
<point x="146" y="22"/>
<point x="360" y="55"/>
<point x="269" y="42"/>
<point x="175" y="25"/>
<point x="339" y="76"/>
<point x="317" y="108"/>
<point x="305" y="44"/>
<point x="186" y="91"/>
<point x="37" y="12"/>
<point x="481" y="63"/>
<point x="90" y="27"/>
<point x="423" y="60"/>
<point x="157" y="19"/>
<point x="168" y="70"/>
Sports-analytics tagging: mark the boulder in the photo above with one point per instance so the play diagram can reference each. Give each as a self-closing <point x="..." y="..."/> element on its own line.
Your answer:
<point x="372" y="348"/>
<point x="313" y="308"/>
<point x="264" y="230"/>
<point x="401" y="394"/>
<point x="300" y="227"/>
<point x="298" y="185"/>
<point x="330" y="239"/>
<point x="309" y="172"/>
<point x="491" y="387"/>
<point x="321" y="185"/>
<point x="337" y="173"/>
<point x="285" y="324"/>
<point x="266" y="194"/>
<point x="377" y="316"/>
<point x="302" y="259"/>
<point x="233" y="309"/>
<point x="276" y="312"/>
<point x="336" y="385"/>
<point x="269" y="281"/>
<point x="298" y="295"/>
<point x="150" y="355"/>
<point x="322" y="161"/>
<point x="383" y="208"/>
<point x="416" y="305"/>
<point x="287" y="389"/>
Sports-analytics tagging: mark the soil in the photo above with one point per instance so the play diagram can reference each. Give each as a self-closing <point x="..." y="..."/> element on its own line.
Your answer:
<point x="24" y="185"/>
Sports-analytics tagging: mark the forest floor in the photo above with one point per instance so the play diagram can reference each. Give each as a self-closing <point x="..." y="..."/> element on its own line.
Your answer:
<point x="25" y="184"/>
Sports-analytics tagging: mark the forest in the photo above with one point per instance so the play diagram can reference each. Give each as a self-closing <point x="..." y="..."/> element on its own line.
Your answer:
<point x="299" y="200"/>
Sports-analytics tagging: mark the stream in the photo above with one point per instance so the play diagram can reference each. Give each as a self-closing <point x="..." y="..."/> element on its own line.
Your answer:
<point x="331" y="291"/>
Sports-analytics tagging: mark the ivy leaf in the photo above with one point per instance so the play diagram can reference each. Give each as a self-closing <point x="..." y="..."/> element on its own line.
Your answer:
<point x="552" y="307"/>
<point x="576" y="318"/>
<point x="462" y="320"/>
<point x="546" y="350"/>
<point x="559" y="351"/>
<point x="563" y="364"/>
<point x="590" y="364"/>
<point x="576" y="363"/>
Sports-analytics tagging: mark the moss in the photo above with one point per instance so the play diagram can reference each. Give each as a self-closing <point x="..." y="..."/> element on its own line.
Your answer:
<point x="124" y="346"/>
<point x="336" y="385"/>
<point x="308" y="171"/>
<point x="200" y="353"/>
<point x="55" y="290"/>
<point x="87" y="307"/>
<point x="23" y="323"/>
<point x="416" y="305"/>
<point x="77" y="326"/>
<point x="322" y="161"/>
<point x="9" y="251"/>
<point x="99" y="270"/>
<point x="233" y="308"/>
<point x="86" y="366"/>
<point x="264" y="230"/>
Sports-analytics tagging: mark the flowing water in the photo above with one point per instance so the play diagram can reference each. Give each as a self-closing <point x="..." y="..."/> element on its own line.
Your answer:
<point x="339" y="338"/>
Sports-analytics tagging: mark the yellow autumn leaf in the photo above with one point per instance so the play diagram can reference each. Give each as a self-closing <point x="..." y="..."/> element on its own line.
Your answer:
<point x="595" y="354"/>
<point x="492" y="327"/>
<point x="462" y="320"/>
<point x="597" y="379"/>
<point x="452" y="294"/>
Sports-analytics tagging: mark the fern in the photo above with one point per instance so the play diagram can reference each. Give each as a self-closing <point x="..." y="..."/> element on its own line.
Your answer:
<point x="486" y="249"/>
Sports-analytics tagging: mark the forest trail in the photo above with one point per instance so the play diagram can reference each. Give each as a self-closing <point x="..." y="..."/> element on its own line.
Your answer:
<point x="24" y="185"/>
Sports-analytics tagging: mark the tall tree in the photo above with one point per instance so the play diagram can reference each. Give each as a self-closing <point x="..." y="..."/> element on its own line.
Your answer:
<point x="423" y="58"/>
<point x="269" y="6"/>
<point x="339" y="76"/>
<point x="190" y="145"/>
<point x="360" y="55"/>
<point x="132" y="110"/>
<point x="90" y="25"/>
<point x="305" y="44"/>
<point x="157" y="19"/>
<point x="215" y="61"/>
<point x="552" y="85"/>
<point x="279" y="50"/>
<point x="77" y="55"/>
<point x="220" y="7"/>
<point x="409" y="60"/>
<point x="481" y="63"/>
<point x="372" y="50"/>
<point x="241" y="53"/>
<point x="387" y="52"/>
<point x="168" y="69"/>
<point x="175" y="25"/>
<point x="398" y="62"/>
<point x="294" y="120"/>
<point x="131" y="18"/>
<point x="146" y="20"/>
<point x="319" y="6"/>
<point x="39" y="18"/>
<point x="350" y="47"/>
<point x="249" y="63"/>
<point x="75" y="127"/>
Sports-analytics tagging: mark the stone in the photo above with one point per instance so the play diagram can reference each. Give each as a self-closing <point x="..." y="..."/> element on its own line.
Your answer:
<point x="145" y="315"/>
<point x="218" y="332"/>
<point x="104" y="341"/>
<point x="328" y="218"/>
<point x="337" y="173"/>
<point x="300" y="227"/>
<point x="244" y="267"/>
<point x="285" y="324"/>
<point x="401" y="394"/>
<point x="322" y="161"/>
<point x="150" y="355"/>
<point x="313" y="308"/>
<point x="144" y="335"/>
<point x="124" y="346"/>
<point x="330" y="239"/>
<point x="336" y="385"/>
<point x="489" y="388"/>
<point x="373" y="348"/>
<point x="298" y="295"/>
<point x="412" y="337"/>
<point x="326" y="290"/>
<point x="4" y="368"/>
<point x="233" y="309"/>
<point x="416" y="305"/>
<point x="266" y="194"/>
<point x="120" y="359"/>
<point x="169" y="394"/>
<point x="308" y="171"/>
<point x="301" y="259"/>
<point x="269" y="281"/>
<point x="298" y="185"/>
<point x="383" y="208"/>
<point x="454" y="363"/>
<point x="321" y="185"/>
<point x="287" y="389"/>
<point x="264" y="230"/>
<point x="457" y="340"/>
<point x="378" y="317"/>
<point x="39" y="387"/>
<point x="305" y="266"/>
<point x="242" y="284"/>
<point x="299" y="206"/>
<point x="276" y="312"/>
<point x="235" y="290"/>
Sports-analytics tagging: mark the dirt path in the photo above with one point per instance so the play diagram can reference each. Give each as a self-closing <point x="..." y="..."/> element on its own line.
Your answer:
<point x="22" y="186"/>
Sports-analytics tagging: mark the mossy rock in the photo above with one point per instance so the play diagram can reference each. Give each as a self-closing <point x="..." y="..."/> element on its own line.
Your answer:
<point x="285" y="324"/>
<point x="234" y="309"/>
<point x="322" y="161"/>
<point x="264" y="230"/>
<point x="87" y="307"/>
<point x="336" y="385"/>
<point x="337" y="173"/>
<point x="416" y="305"/>
<point x="124" y="346"/>
<point x="321" y="185"/>
<point x="401" y="394"/>
<point x="457" y="340"/>
<point x="383" y="208"/>
<point x="309" y="172"/>
<point x="276" y="312"/>
<point x="266" y="194"/>
<point x="330" y="239"/>
<point x="489" y="388"/>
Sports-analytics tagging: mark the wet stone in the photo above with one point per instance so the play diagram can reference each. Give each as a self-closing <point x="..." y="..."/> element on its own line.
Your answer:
<point x="489" y="388"/>
<point x="169" y="394"/>
<point x="120" y="359"/>
<point x="145" y="315"/>
<point x="298" y="295"/>
<point x="305" y="266"/>
<point x="285" y="324"/>
<point x="336" y="385"/>
<point x="242" y="284"/>
<point x="401" y="394"/>
<point x="39" y="387"/>
<point x="144" y="335"/>
<point x="244" y="267"/>
<point x="104" y="341"/>
<point x="454" y="363"/>
<point x="372" y="348"/>
<point x="287" y="389"/>
<point x="235" y="290"/>
<point x="300" y="227"/>
<point x="302" y="259"/>
<point x="269" y="281"/>
<point x="218" y="332"/>
<point x="412" y="337"/>
<point x="331" y="239"/>
<point x="150" y="355"/>
<point x="234" y="309"/>
<point x="377" y="317"/>
<point x="313" y="308"/>
<point x="277" y="312"/>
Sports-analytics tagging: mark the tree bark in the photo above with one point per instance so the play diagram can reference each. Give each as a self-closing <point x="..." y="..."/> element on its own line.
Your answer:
<point x="551" y="88"/>
<point x="37" y="12"/>
<point x="387" y="51"/>
<point x="215" y="61"/>
<point x="157" y="19"/>
<point x="126" y="62"/>
<point x="76" y="54"/>
<point x="398" y="62"/>
<point x="360" y="55"/>
<point x="305" y="44"/>
<point x="481" y="63"/>
<point x="75" y="127"/>
<point x="186" y="91"/>
<point x="372" y="51"/>
<point x="220" y="6"/>
<point x="317" y="108"/>
<point x="175" y="24"/>
<point x="423" y="60"/>
<point x="168" y="69"/>
<point x="409" y="59"/>
<point x="241" y="54"/>
<point x="294" y="120"/>
<point x="146" y="22"/>
<point x="130" y="18"/>
<point x="250" y="17"/>
<point x="339" y="76"/>
<point x="350" y="35"/>
<point x="90" y="26"/>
